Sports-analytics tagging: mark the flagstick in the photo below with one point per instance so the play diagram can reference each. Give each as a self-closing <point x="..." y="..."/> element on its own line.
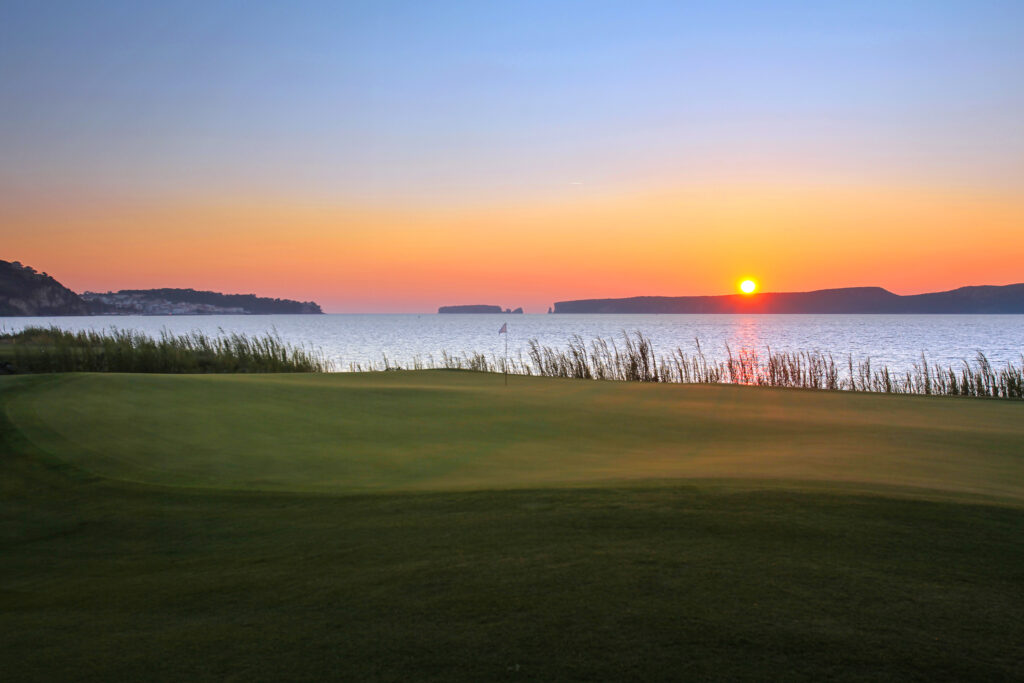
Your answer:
<point x="504" y="331"/>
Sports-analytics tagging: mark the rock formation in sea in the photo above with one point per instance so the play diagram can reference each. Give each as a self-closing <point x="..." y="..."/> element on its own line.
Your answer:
<point x="477" y="308"/>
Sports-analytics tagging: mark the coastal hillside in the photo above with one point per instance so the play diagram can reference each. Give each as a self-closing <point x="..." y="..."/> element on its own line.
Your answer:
<point x="25" y="291"/>
<point x="169" y="301"/>
<point x="983" y="299"/>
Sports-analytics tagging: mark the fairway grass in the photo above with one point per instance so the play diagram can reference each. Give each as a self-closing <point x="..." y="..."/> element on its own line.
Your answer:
<point x="438" y="526"/>
<point x="438" y="430"/>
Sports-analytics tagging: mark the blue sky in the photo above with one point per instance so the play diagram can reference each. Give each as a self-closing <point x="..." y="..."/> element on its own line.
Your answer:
<point x="393" y="102"/>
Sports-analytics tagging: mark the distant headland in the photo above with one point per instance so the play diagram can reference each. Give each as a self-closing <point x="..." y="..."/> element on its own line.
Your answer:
<point x="981" y="299"/>
<point x="26" y="292"/>
<point x="477" y="308"/>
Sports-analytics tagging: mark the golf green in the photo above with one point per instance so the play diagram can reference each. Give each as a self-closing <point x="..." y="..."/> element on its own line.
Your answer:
<point x="438" y="526"/>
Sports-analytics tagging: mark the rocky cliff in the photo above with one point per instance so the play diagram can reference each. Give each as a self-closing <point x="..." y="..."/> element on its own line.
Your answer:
<point x="23" y="291"/>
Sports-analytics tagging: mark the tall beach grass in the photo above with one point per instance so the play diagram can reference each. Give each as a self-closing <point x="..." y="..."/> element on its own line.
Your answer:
<point x="632" y="358"/>
<point x="41" y="349"/>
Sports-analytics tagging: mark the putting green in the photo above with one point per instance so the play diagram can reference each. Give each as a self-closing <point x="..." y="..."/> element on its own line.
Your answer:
<point x="200" y="528"/>
<point x="437" y="430"/>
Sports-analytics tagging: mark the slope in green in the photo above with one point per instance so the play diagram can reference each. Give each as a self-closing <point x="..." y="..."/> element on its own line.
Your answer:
<point x="444" y="430"/>
<point x="202" y="528"/>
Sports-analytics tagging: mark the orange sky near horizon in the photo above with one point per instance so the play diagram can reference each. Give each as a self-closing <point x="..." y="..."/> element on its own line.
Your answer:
<point x="379" y="157"/>
<point x="683" y="241"/>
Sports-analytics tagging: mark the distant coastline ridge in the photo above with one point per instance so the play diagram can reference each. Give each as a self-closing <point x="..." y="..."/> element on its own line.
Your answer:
<point x="979" y="299"/>
<point x="171" y="301"/>
<point x="477" y="308"/>
<point x="26" y="292"/>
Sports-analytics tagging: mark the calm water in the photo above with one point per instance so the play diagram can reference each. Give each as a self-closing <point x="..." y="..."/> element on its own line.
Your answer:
<point x="894" y="340"/>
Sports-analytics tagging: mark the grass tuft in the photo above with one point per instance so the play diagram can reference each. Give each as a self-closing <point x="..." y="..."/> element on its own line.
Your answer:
<point x="630" y="359"/>
<point x="634" y="359"/>
<point x="41" y="349"/>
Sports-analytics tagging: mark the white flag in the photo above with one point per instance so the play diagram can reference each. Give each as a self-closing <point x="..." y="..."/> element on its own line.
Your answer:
<point x="504" y="329"/>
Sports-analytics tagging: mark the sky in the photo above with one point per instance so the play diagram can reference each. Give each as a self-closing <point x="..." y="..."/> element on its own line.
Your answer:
<point x="399" y="156"/>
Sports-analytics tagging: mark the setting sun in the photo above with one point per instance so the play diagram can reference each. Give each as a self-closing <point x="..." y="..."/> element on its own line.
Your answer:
<point x="748" y="286"/>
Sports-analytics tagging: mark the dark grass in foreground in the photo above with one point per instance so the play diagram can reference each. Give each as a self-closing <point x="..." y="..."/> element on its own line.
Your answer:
<point x="39" y="349"/>
<point x="843" y="579"/>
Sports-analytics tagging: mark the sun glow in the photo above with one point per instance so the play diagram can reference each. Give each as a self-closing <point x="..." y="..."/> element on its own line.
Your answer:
<point x="748" y="286"/>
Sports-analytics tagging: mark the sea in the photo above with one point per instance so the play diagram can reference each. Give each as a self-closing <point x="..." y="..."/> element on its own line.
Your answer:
<point x="364" y="340"/>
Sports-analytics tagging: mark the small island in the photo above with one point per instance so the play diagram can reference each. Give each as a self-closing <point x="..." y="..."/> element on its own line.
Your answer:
<point x="477" y="308"/>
